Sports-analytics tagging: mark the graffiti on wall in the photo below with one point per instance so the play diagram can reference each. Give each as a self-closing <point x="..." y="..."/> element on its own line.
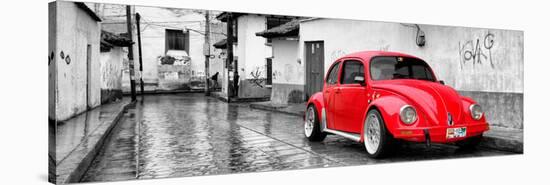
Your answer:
<point x="477" y="51"/>
<point x="67" y="58"/>
<point x="174" y="60"/>
<point x="51" y="57"/>
<point x="256" y="75"/>
<point x="110" y="75"/>
<point x="276" y="74"/>
<point x="337" y="54"/>
<point x="384" y="47"/>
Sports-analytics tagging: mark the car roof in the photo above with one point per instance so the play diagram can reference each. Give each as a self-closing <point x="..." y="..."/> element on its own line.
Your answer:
<point x="367" y="55"/>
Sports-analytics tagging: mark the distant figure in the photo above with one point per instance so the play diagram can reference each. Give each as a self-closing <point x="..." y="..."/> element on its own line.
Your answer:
<point x="214" y="79"/>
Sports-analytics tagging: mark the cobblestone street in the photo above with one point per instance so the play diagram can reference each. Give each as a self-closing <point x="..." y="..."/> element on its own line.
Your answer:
<point x="190" y="134"/>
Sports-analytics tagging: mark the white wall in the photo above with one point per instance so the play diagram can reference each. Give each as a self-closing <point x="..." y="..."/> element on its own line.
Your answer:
<point x="285" y="68"/>
<point x="441" y="50"/>
<point x="75" y="29"/>
<point x="111" y="68"/>
<point x="251" y="48"/>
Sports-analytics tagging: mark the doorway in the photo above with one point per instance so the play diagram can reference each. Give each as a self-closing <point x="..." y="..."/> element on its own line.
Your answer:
<point x="88" y="76"/>
<point x="315" y="62"/>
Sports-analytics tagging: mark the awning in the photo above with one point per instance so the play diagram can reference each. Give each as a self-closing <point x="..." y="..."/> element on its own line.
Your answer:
<point x="289" y="29"/>
<point x="110" y="40"/>
<point x="222" y="44"/>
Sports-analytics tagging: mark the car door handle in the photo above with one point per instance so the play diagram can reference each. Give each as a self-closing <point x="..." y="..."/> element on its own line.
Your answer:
<point x="337" y="91"/>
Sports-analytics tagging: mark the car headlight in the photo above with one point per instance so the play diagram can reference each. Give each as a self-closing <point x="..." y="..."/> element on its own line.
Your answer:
<point x="476" y="111"/>
<point x="407" y="114"/>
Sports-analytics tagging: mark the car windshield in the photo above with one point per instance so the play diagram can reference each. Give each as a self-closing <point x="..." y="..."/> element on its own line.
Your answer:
<point x="390" y="68"/>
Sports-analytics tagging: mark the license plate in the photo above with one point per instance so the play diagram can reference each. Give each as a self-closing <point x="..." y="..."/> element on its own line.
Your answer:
<point x="456" y="132"/>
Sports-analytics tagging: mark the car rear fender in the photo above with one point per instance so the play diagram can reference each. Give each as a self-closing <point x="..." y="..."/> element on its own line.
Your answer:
<point x="317" y="100"/>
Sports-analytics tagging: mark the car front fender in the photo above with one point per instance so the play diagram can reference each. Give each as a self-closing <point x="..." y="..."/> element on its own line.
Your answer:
<point x="388" y="106"/>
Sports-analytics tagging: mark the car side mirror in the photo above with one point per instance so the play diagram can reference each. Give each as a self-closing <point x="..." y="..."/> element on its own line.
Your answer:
<point x="442" y="82"/>
<point x="359" y="80"/>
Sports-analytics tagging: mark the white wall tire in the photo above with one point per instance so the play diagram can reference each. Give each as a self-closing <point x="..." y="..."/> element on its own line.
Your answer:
<point x="376" y="138"/>
<point x="312" y="126"/>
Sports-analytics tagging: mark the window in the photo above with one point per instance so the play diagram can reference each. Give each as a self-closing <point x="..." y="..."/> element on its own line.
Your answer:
<point x="389" y="68"/>
<point x="352" y="68"/>
<point x="176" y="40"/>
<point x="333" y="74"/>
<point x="269" y="80"/>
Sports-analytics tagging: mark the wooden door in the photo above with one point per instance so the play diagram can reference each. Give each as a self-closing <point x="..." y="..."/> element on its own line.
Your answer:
<point x="315" y="62"/>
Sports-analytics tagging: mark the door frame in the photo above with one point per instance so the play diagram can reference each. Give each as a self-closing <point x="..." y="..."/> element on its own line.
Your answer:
<point x="88" y="75"/>
<point x="307" y="87"/>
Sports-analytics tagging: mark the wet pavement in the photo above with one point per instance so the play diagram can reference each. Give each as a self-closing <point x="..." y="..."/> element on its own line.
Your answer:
<point x="190" y="134"/>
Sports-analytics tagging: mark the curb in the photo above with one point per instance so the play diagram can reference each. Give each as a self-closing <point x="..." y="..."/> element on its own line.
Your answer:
<point x="502" y="144"/>
<point x="274" y="109"/>
<point x="489" y="141"/>
<point x="75" y="175"/>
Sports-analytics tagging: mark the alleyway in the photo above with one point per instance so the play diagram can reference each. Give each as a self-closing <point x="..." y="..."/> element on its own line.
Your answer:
<point x="190" y="134"/>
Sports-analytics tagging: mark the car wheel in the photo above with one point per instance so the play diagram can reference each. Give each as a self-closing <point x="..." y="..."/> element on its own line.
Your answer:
<point x="312" y="126"/>
<point x="377" y="139"/>
<point x="470" y="143"/>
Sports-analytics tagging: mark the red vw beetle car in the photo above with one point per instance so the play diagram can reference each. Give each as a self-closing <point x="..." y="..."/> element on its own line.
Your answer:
<point x="379" y="98"/>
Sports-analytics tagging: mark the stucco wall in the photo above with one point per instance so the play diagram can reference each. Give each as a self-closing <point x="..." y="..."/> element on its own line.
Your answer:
<point x="485" y="64"/>
<point x="75" y="30"/>
<point x="287" y="71"/>
<point x="52" y="58"/>
<point x="251" y="54"/>
<point x="111" y="73"/>
<point x="448" y="50"/>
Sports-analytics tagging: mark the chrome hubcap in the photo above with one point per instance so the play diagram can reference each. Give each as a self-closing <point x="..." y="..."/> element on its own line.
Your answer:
<point x="310" y="120"/>
<point x="371" y="133"/>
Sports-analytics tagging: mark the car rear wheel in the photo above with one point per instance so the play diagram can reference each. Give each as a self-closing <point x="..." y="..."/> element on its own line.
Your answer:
<point x="377" y="139"/>
<point x="312" y="126"/>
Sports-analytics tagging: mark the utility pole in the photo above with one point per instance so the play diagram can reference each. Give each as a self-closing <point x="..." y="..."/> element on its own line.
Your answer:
<point x="130" y="52"/>
<point x="229" y="59"/>
<point x="206" y="49"/>
<point x="138" y="17"/>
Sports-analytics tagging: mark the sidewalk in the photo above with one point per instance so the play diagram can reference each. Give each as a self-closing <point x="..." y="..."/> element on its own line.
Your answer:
<point x="498" y="138"/>
<point x="291" y="109"/>
<point x="79" y="139"/>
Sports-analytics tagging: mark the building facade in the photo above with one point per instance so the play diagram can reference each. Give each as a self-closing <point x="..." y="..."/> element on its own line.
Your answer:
<point x="73" y="59"/>
<point x="172" y="42"/>
<point x="252" y="61"/>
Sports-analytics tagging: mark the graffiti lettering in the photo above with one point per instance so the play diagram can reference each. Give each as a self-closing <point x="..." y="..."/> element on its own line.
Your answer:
<point x="334" y="55"/>
<point x="477" y="53"/>
<point x="257" y="77"/>
<point x="384" y="48"/>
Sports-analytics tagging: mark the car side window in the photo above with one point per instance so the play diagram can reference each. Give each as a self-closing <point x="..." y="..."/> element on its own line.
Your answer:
<point x="333" y="74"/>
<point x="352" y="68"/>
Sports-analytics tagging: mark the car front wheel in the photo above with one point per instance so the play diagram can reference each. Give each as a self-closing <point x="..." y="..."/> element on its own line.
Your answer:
<point x="377" y="139"/>
<point x="312" y="126"/>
